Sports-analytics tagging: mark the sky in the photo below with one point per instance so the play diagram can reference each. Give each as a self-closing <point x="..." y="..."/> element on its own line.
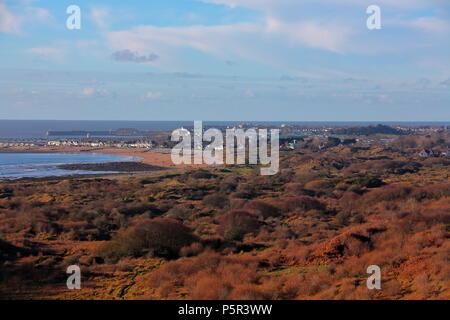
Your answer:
<point x="273" y="60"/>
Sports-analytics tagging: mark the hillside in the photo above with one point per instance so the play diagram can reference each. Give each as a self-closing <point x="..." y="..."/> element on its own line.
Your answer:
<point x="309" y="232"/>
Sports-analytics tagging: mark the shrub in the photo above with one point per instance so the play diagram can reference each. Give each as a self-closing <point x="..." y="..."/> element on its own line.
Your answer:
<point x="359" y="218"/>
<point x="136" y="208"/>
<point x="294" y="188"/>
<point x="369" y="182"/>
<point x="179" y="212"/>
<point x="435" y="191"/>
<point x="236" y="224"/>
<point x="320" y="185"/>
<point x="388" y="193"/>
<point x="6" y="193"/>
<point x="192" y="250"/>
<point x="303" y="203"/>
<point x="216" y="201"/>
<point x="245" y="191"/>
<point x="9" y="251"/>
<point x="343" y="218"/>
<point x="207" y="276"/>
<point x="263" y="209"/>
<point x="202" y="174"/>
<point x="156" y="237"/>
<point x="348" y="201"/>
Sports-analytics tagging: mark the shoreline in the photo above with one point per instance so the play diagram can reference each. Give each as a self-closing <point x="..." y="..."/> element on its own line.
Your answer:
<point x="155" y="157"/>
<point x="159" y="158"/>
<point x="147" y="156"/>
<point x="116" y="166"/>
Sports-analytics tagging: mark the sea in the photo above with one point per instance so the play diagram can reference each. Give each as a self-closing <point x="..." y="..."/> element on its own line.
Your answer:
<point x="38" y="165"/>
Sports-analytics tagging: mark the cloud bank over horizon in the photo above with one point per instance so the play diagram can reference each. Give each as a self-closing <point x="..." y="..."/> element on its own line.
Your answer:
<point x="308" y="60"/>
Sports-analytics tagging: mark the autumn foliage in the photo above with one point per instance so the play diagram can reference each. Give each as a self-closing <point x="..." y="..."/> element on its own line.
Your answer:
<point x="309" y="232"/>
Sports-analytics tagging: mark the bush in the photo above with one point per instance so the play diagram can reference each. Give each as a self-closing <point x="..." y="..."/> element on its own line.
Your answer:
<point x="320" y="185"/>
<point x="202" y="174"/>
<point x="156" y="237"/>
<point x="303" y="203"/>
<point x="435" y="191"/>
<point x="343" y="218"/>
<point x="194" y="249"/>
<point x="263" y="209"/>
<point x="9" y="251"/>
<point x="236" y="224"/>
<point x="179" y="212"/>
<point x="245" y="191"/>
<point x="369" y="182"/>
<point x="388" y="193"/>
<point x="216" y="201"/>
<point x="135" y="208"/>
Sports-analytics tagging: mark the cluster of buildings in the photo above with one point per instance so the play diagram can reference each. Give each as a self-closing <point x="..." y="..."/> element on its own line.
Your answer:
<point x="101" y="144"/>
<point x="16" y="144"/>
<point x="425" y="153"/>
<point x="291" y="136"/>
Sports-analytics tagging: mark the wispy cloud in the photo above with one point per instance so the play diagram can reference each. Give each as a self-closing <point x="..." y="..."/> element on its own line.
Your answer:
<point x="311" y="33"/>
<point x="446" y="83"/>
<point x="253" y="41"/>
<point x="9" y="23"/>
<point x="151" y="96"/>
<point x="101" y="16"/>
<point x="14" y="22"/>
<point x="130" y="56"/>
<point x="94" y="92"/>
<point x="268" y="5"/>
<point x="39" y="14"/>
<point x="431" y="24"/>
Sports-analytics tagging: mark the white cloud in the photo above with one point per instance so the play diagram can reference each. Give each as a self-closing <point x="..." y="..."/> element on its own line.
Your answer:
<point x="22" y="92"/>
<point x="446" y="83"/>
<point x="9" y="23"/>
<point x="249" y="93"/>
<point x="267" y="5"/>
<point x="284" y="34"/>
<point x="39" y="14"/>
<point x="13" y="22"/>
<point x="431" y="24"/>
<point x="94" y="92"/>
<point x="101" y="17"/>
<point x="151" y="96"/>
<point x="312" y="33"/>
<point x="48" y="53"/>
<point x="254" y="41"/>
<point x="365" y="97"/>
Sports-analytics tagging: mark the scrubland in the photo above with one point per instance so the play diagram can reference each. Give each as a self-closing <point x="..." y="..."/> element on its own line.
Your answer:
<point x="309" y="232"/>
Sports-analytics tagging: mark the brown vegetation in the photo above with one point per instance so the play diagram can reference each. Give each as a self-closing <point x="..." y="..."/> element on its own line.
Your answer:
<point x="309" y="232"/>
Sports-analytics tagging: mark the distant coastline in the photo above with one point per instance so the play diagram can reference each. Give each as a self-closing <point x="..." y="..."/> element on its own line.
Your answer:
<point x="38" y="128"/>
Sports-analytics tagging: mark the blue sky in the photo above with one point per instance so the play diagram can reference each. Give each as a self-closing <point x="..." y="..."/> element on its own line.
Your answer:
<point x="225" y="60"/>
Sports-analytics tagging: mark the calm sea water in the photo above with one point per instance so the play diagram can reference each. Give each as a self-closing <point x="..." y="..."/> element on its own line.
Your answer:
<point x="20" y="165"/>
<point x="38" y="128"/>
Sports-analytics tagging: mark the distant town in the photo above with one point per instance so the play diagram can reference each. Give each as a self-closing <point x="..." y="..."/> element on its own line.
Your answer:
<point x="291" y="136"/>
